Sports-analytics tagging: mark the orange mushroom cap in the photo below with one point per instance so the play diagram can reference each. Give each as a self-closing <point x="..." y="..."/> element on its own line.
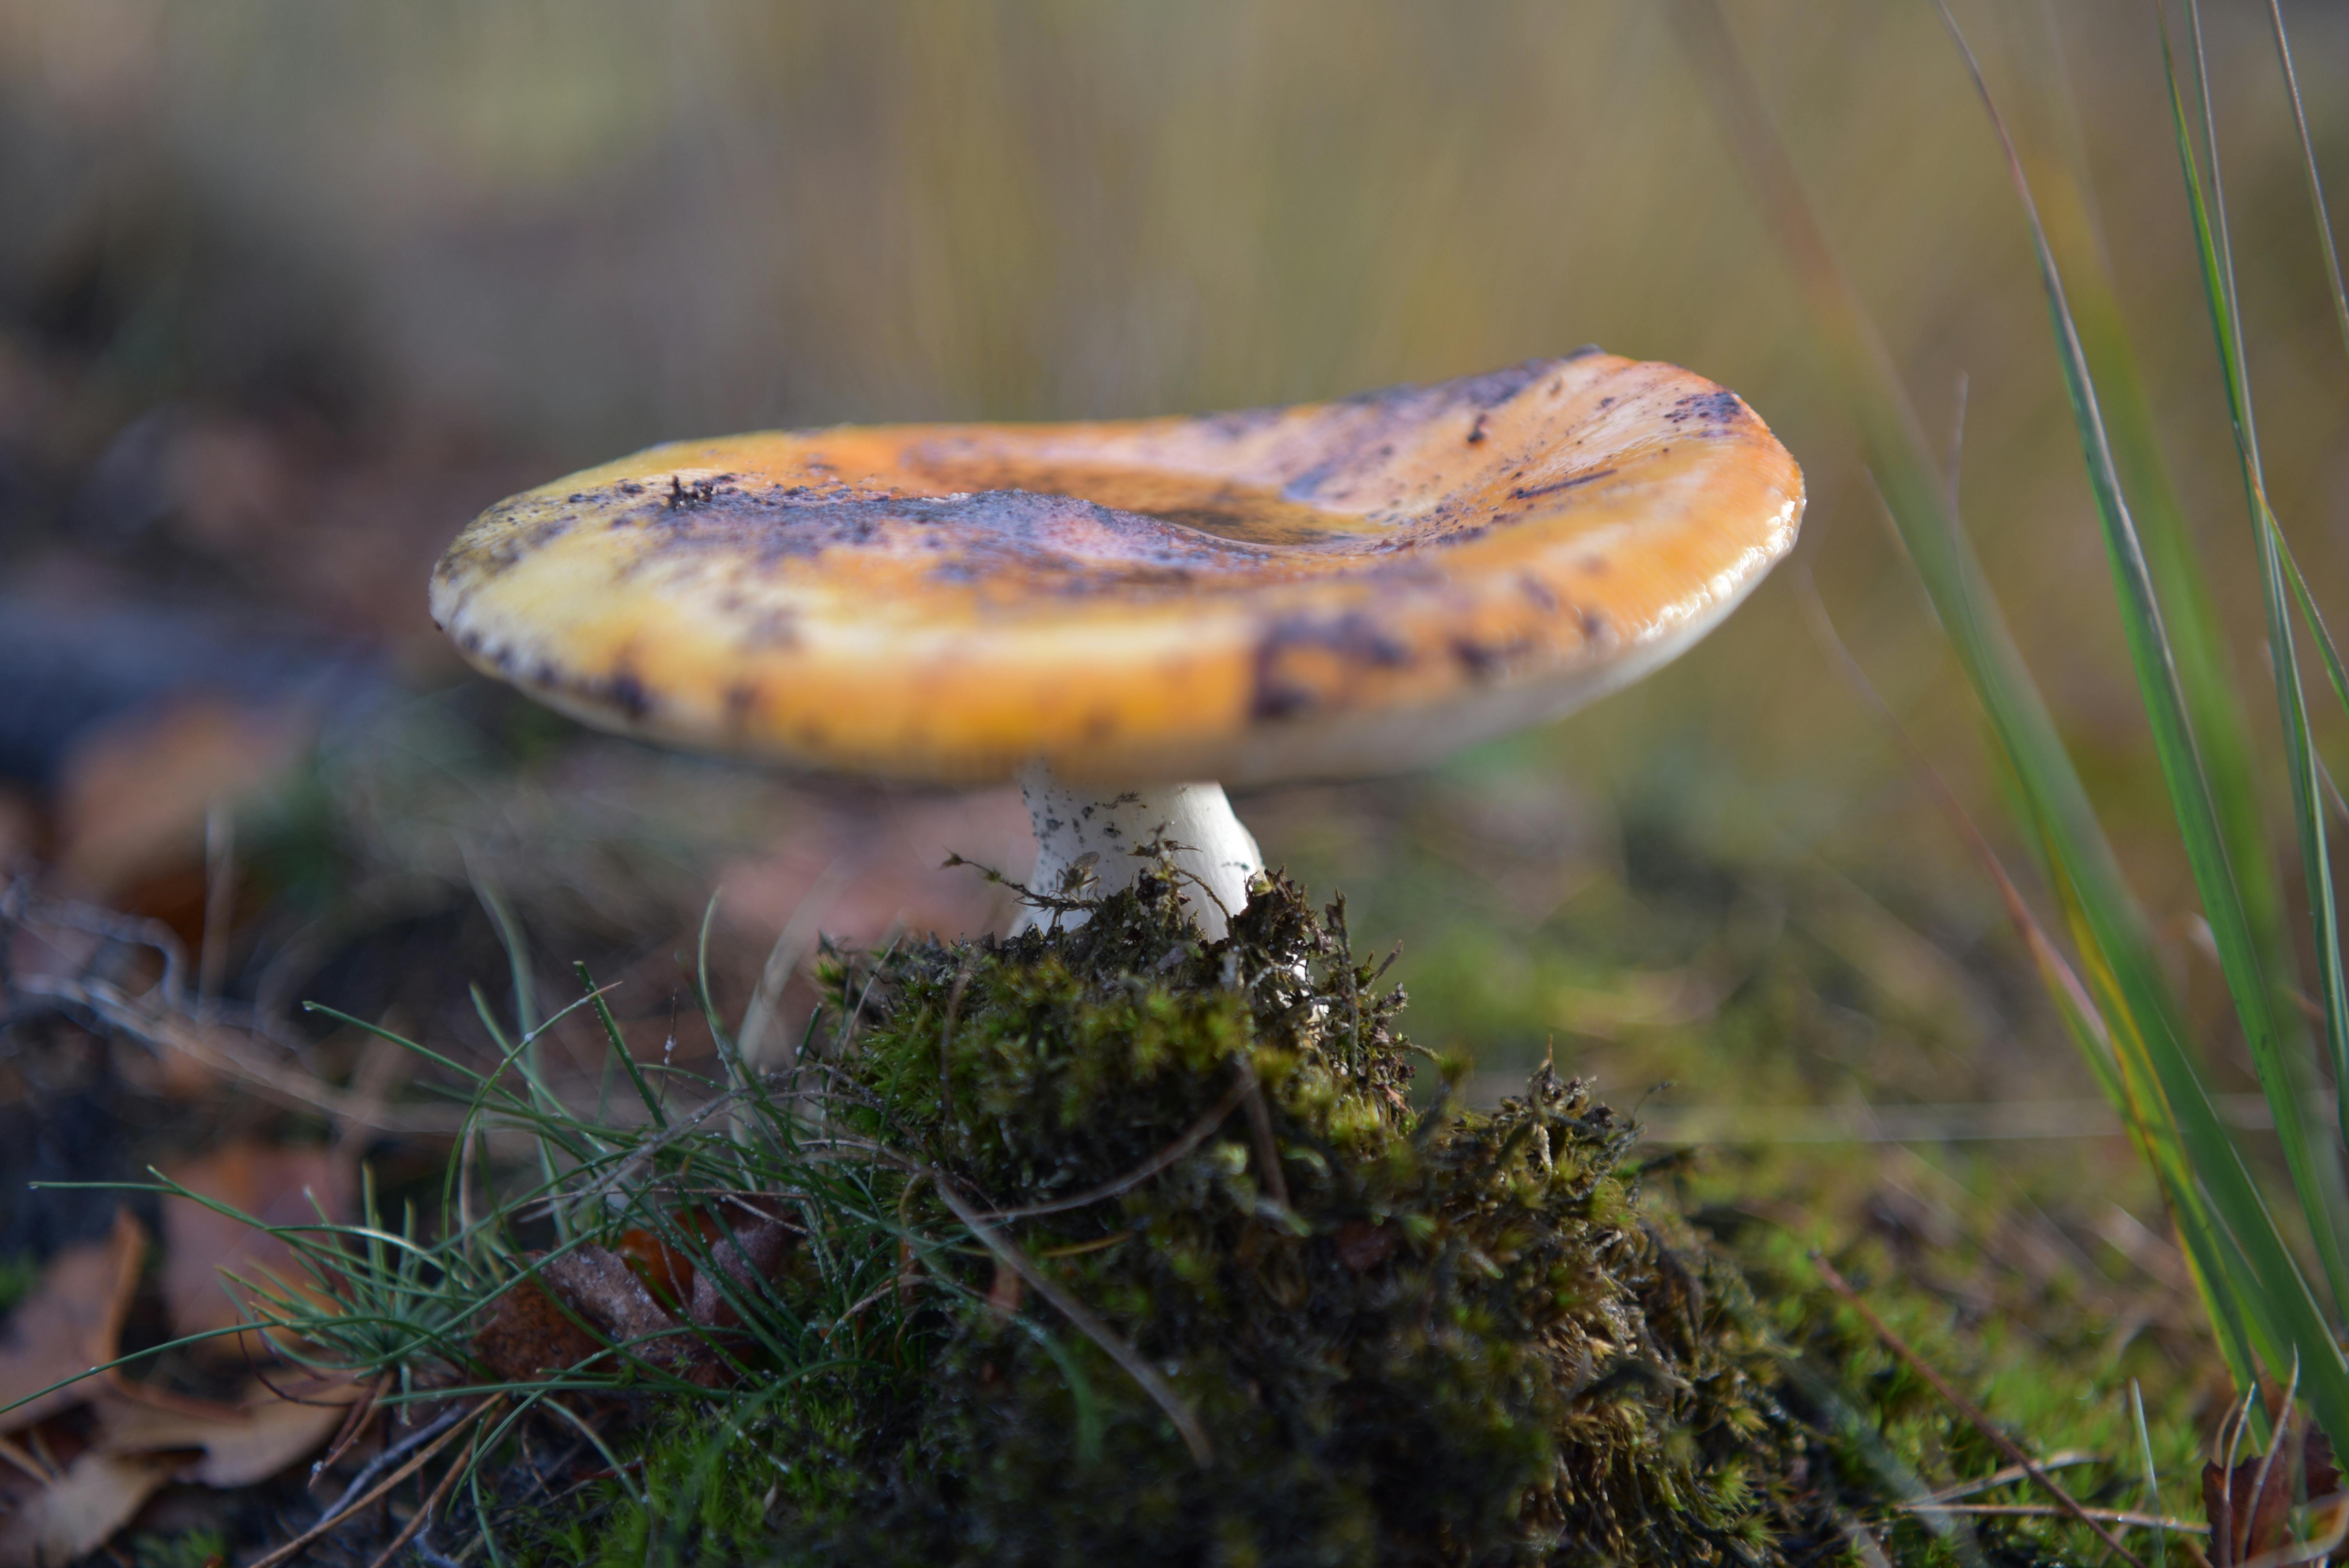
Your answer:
<point x="1326" y="590"/>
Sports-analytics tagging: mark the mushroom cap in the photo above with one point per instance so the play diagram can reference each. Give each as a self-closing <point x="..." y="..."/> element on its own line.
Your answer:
<point x="1328" y="590"/>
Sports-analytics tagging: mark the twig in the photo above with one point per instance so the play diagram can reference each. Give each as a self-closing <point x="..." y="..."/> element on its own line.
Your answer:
<point x="449" y="1426"/>
<point x="2046" y="1511"/>
<point x="424" y="1514"/>
<point x="208" y="1044"/>
<point x="845" y="1318"/>
<point x="1185" y="1422"/>
<point x="354" y="1424"/>
<point x="25" y="1463"/>
<point x="1972" y="1413"/>
<point x="2006" y="1477"/>
<point x="1197" y="1133"/>
<point x="658" y="1140"/>
<point x="1268" y="1148"/>
<point x="392" y="1454"/>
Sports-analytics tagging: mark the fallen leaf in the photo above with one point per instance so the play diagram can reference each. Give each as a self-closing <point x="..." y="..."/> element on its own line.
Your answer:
<point x="133" y="792"/>
<point x="81" y="1510"/>
<point x="2250" y="1521"/>
<point x="243" y="1443"/>
<point x="527" y="1336"/>
<point x="748" y="1258"/>
<point x="70" y="1323"/>
<point x="667" y="1271"/>
<point x="600" y="1286"/>
<point x="200" y="1245"/>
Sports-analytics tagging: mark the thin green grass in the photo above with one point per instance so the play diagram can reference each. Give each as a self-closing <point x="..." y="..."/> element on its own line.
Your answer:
<point x="398" y="1305"/>
<point x="2316" y="202"/>
<point x="2270" y="1312"/>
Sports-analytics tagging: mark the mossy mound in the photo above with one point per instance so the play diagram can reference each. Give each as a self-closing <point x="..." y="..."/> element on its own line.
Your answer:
<point x="1401" y="1335"/>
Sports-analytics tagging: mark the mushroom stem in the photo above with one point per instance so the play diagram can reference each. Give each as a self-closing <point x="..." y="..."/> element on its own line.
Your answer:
<point x="1087" y="836"/>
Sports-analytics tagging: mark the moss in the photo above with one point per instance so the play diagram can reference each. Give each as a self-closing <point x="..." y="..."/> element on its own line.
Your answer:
<point x="187" y="1549"/>
<point x="1408" y="1334"/>
<point x="1432" y="1337"/>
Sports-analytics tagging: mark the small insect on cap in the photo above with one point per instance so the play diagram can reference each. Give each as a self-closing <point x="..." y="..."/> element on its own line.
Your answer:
<point x="1329" y="590"/>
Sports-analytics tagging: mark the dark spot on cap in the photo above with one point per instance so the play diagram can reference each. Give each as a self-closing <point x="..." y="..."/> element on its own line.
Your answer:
<point x="1283" y="683"/>
<point x="1534" y="589"/>
<point x="624" y="691"/>
<point x="1718" y="407"/>
<point x="1478" y="659"/>
<point x="699" y="493"/>
<point x="1476" y="431"/>
<point x="1530" y="492"/>
<point x="1496" y="387"/>
<point x="1244" y="421"/>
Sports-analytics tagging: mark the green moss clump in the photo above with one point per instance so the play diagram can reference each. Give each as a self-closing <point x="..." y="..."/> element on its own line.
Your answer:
<point x="1408" y="1338"/>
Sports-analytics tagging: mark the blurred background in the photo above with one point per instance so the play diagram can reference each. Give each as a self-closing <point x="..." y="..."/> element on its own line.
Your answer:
<point x="289" y="292"/>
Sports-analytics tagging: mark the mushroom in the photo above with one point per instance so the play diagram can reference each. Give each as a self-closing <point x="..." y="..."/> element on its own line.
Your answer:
<point x="1126" y="616"/>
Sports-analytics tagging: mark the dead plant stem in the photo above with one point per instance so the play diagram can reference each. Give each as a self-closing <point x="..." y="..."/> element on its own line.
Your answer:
<point x="1973" y="1413"/>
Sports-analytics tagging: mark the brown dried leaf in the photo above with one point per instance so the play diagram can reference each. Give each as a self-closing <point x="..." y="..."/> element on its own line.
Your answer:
<point x="600" y="1287"/>
<point x="749" y="1258"/>
<point x="2249" y="1520"/>
<point x="243" y="1443"/>
<point x="81" y="1510"/>
<point x="200" y="1245"/>
<point x="666" y="1271"/>
<point x="134" y="792"/>
<point x="70" y="1323"/>
<point x="526" y="1336"/>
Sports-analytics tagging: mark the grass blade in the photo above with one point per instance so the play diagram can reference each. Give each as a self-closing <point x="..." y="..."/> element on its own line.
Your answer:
<point x="2214" y="707"/>
<point x="2316" y="627"/>
<point x="2255" y="1292"/>
<point x="2249" y="981"/>
<point x="2216" y="251"/>
<point x="620" y="1046"/>
<point x="2315" y="181"/>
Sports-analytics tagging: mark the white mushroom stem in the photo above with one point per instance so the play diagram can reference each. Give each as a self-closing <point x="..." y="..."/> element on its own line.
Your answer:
<point x="1086" y="836"/>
